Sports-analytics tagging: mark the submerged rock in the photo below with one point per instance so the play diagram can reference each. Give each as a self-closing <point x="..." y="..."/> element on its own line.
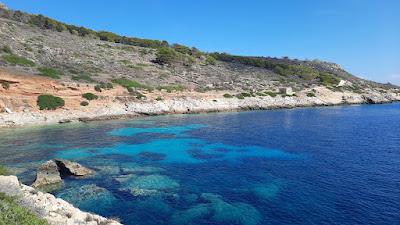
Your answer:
<point x="47" y="174"/>
<point x="152" y="156"/>
<point x="149" y="185"/>
<point x="191" y="216"/>
<point x="231" y="213"/>
<point x="267" y="191"/>
<point x="141" y="169"/>
<point x="89" y="197"/>
<point x="154" y="182"/>
<point x="68" y="168"/>
<point x="121" y="179"/>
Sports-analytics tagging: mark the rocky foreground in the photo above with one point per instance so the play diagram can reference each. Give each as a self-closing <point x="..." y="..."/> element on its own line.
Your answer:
<point x="56" y="211"/>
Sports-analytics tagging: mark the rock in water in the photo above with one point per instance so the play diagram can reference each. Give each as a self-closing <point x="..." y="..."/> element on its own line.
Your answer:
<point x="47" y="174"/>
<point x="67" y="168"/>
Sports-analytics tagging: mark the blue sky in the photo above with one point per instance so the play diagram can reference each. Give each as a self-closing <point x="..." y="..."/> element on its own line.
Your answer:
<point x="361" y="35"/>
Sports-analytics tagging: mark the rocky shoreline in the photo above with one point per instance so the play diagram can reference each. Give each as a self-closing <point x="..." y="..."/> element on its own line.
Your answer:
<point x="55" y="210"/>
<point x="126" y="109"/>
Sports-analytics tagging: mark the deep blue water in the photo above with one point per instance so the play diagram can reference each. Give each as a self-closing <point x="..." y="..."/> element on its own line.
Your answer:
<point x="332" y="165"/>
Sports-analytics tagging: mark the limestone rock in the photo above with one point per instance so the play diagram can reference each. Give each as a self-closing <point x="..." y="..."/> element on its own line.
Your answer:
<point x="47" y="174"/>
<point x="9" y="184"/>
<point x="67" y="168"/>
<point x="56" y="211"/>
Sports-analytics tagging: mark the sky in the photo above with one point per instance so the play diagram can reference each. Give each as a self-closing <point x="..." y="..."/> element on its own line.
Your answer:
<point x="363" y="36"/>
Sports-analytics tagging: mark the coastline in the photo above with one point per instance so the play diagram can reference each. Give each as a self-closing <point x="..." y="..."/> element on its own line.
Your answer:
<point x="127" y="109"/>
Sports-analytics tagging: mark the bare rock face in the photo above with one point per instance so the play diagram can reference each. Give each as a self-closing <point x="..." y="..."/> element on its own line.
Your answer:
<point x="47" y="174"/>
<point x="68" y="168"/>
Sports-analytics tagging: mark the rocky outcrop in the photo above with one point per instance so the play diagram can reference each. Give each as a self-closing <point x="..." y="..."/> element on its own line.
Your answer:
<point x="47" y="174"/>
<point x="68" y="168"/>
<point x="55" y="210"/>
<point x="52" y="171"/>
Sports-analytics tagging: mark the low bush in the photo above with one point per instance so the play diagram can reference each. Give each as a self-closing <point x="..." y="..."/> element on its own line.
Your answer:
<point x="84" y="103"/>
<point x="246" y="95"/>
<point x="311" y="94"/>
<point x="328" y="79"/>
<point x="3" y="170"/>
<point x="6" y="49"/>
<point x="12" y="213"/>
<point x="5" y="85"/>
<point x="159" y="98"/>
<point x="172" y="88"/>
<point x="166" y="56"/>
<point x="49" y="72"/>
<point x="50" y="102"/>
<point x="228" y="95"/>
<point x="17" y="60"/>
<point x="240" y="96"/>
<point x="270" y="93"/>
<point x="90" y="96"/>
<point x="127" y="83"/>
<point x="84" y="77"/>
<point x="210" y="60"/>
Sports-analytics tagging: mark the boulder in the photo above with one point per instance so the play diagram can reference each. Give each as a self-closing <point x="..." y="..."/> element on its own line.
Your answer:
<point x="47" y="174"/>
<point x="68" y="168"/>
<point x="9" y="185"/>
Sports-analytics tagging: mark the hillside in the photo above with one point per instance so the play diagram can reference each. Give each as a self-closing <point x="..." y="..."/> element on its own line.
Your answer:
<point x="81" y="60"/>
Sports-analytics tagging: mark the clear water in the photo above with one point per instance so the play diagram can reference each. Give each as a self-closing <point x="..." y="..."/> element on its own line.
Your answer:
<point x="333" y="165"/>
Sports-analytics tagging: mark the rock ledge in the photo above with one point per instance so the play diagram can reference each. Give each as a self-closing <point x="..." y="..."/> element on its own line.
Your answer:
<point x="56" y="211"/>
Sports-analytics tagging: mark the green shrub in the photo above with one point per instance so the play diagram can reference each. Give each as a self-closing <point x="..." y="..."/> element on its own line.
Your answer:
<point x="270" y="93"/>
<point x="127" y="83"/>
<point x="5" y="85"/>
<point x="246" y="95"/>
<point x="228" y="95"/>
<point x="210" y="60"/>
<point x="90" y="96"/>
<point x="97" y="88"/>
<point x="49" y="72"/>
<point x="106" y="86"/>
<point x="17" y="60"/>
<point x="182" y="49"/>
<point x="84" y="103"/>
<point x="240" y="96"/>
<point x="12" y="213"/>
<point x="84" y="77"/>
<point x="172" y="88"/>
<point x="3" y="170"/>
<point x="166" y="56"/>
<point x="311" y="94"/>
<point x="6" y="49"/>
<point x="137" y="94"/>
<point x="159" y="98"/>
<point x="49" y="102"/>
<point x="328" y="79"/>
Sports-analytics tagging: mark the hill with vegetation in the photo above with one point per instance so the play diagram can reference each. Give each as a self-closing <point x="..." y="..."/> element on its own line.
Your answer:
<point x="46" y="47"/>
<point x="69" y="67"/>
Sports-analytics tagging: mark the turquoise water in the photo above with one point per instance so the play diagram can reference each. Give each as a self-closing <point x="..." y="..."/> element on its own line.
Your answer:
<point x="333" y="165"/>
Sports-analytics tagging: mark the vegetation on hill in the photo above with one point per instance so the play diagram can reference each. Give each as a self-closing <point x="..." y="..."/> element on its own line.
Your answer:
<point x="12" y="213"/>
<point x="17" y="60"/>
<point x="139" y="67"/>
<point x="49" y="102"/>
<point x="3" y="170"/>
<point x="90" y="96"/>
<point x="49" y="72"/>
